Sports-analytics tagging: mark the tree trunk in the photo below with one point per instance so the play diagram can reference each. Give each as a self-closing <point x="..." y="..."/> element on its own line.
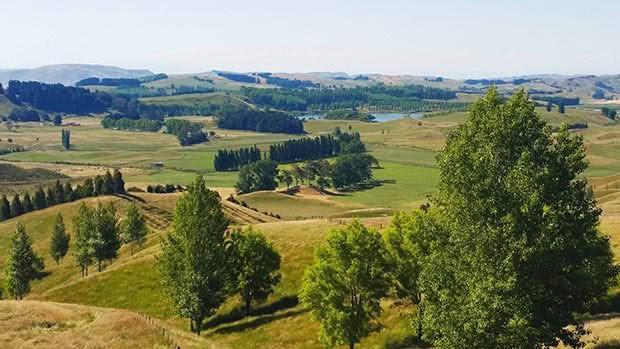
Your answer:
<point x="248" y="305"/>
<point x="420" y="319"/>
<point x="99" y="266"/>
<point x="198" y="325"/>
<point x="351" y="345"/>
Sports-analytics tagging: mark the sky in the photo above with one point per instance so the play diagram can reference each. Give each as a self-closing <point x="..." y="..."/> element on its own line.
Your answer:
<point x="468" y="38"/>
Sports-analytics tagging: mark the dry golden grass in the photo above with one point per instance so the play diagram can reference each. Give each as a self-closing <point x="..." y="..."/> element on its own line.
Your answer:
<point x="30" y="324"/>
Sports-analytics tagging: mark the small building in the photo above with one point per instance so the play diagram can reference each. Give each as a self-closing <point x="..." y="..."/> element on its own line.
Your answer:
<point x="157" y="164"/>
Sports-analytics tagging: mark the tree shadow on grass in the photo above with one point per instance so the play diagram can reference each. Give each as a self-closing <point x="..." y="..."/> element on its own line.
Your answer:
<point x="368" y="185"/>
<point x="238" y="313"/>
<point x="130" y="197"/>
<point x="263" y="320"/>
<point x="408" y="342"/>
<point x="612" y="344"/>
<point x="605" y="306"/>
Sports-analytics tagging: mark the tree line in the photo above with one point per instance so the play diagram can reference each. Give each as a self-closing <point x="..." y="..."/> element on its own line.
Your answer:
<point x="239" y="77"/>
<point x="288" y="83"/>
<point x="231" y="160"/>
<point x="56" y="97"/>
<point x="21" y="114"/>
<point x="243" y="118"/>
<point x="348" y="171"/>
<point x="410" y="98"/>
<point x="107" y="184"/>
<point x="121" y="82"/>
<point x="292" y="150"/>
<point x="141" y="124"/>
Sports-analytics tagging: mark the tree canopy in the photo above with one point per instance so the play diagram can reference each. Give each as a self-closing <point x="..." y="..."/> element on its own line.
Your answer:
<point x="344" y="285"/>
<point x="522" y="253"/>
<point x="194" y="263"/>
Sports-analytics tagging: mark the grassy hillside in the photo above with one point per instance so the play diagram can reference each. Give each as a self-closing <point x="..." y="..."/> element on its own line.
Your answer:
<point x="131" y="282"/>
<point x="29" y="324"/>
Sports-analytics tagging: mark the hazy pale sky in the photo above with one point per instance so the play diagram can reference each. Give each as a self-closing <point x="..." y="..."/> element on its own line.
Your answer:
<point x="468" y="38"/>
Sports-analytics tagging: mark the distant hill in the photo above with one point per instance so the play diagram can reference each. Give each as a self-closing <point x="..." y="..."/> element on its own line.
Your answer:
<point x="69" y="74"/>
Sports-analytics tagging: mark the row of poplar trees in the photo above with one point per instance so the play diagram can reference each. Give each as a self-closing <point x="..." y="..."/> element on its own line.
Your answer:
<point x="107" y="184"/>
<point x="98" y="236"/>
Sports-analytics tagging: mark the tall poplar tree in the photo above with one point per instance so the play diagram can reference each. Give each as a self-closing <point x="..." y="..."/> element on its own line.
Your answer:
<point x="195" y="263"/>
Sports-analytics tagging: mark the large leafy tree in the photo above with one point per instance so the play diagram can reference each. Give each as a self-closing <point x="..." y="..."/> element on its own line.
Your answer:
<point x="59" y="244"/>
<point x="133" y="228"/>
<point x="345" y="284"/>
<point x="257" y="267"/>
<point x="523" y="254"/>
<point x="260" y="175"/>
<point x="23" y="264"/>
<point x="195" y="263"/>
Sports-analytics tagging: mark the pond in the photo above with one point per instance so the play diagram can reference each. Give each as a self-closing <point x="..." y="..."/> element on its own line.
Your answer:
<point x="379" y="117"/>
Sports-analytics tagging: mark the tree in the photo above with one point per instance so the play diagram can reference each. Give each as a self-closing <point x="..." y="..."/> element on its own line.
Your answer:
<point x="410" y="240"/>
<point x="98" y="188"/>
<point x="344" y="285"/>
<point x="50" y="197"/>
<point x="65" y="138"/>
<point x="286" y="176"/>
<point x="59" y="244"/>
<point x="133" y="228"/>
<point x="59" y="193"/>
<point x="70" y="195"/>
<point x="28" y="207"/>
<point x="257" y="265"/>
<point x="17" y="209"/>
<point x="522" y="255"/>
<point x="195" y="265"/>
<point x="260" y="175"/>
<point x="352" y="169"/>
<point x="105" y="238"/>
<point x="561" y="108"/>
<point x="108" y="184"/>
<point x="88" y="189"/>
<point x="57" y="120"/>
<point x="22" y="265"/>
<point x="298" y="173"/>
<point x="549" y="106"/>
<point x="5" y="209"/>
<point x="119" y="183"/>
<point x="39" y="199"/>
<point x="83" y="227"/>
